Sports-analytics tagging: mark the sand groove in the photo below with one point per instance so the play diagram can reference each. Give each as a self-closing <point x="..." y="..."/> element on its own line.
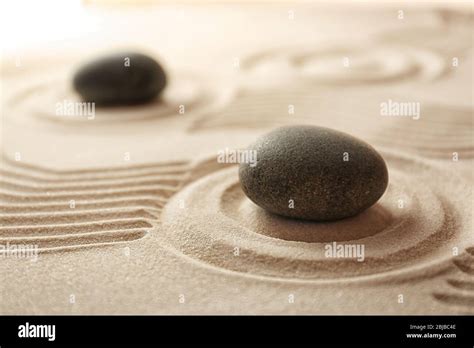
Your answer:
<point x="138" y="202"/>
<point x="162" y="191"/>
<point x="165" y="183"/>
<point x="52" y="180"/>
<point x="29" y="175"/>
<point x="82" y="239"/>
<point x="78" y="227"/>
<point x="325" y="65"/>
<point x="109" y="172"/>
<point x="70" y="217"/>
<point x="465" y="263"/>
<point x="60" y="210"/>
<point x="460" y="290"/>
<point x="461" y="284"/>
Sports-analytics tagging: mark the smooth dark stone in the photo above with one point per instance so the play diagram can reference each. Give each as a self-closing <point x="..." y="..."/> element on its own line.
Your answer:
<point x="306" y="164"/>
<point x="109" y="81"/>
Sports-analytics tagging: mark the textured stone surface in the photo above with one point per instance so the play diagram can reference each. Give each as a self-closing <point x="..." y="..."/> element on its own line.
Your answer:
<point x="314" y="173"/>
<point x="120" y="79"/>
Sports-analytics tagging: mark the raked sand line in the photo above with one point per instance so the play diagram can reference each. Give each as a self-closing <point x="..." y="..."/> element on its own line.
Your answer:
<point x="162" y="191"/>
<point x="465" y="263"/>
<point x="18" y="185"/>
<point x="323" y="64"/>
<point x="28" y="175"/>
<point x="130" y="169"/>
<point x="151" y="203"/>
<point x="459" y="291"/>
<point x="461" y="300"/>
<point x="52" y="218"/>
<point x="84" y="239"/>
<point x="78" y="227"/>
<point x="461" y="284"/>
<point x="124" y="242"/>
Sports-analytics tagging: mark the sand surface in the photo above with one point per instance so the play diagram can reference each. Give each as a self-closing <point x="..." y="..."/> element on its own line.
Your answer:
<point x="132" y="214"/>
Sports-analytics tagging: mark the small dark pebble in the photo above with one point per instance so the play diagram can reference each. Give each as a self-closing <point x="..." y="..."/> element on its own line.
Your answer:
<point x="313" y="173"/>
<point x="120" y="79"/>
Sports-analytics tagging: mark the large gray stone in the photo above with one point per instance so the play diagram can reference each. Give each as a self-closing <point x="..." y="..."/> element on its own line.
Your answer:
<point x="314" y="173"/>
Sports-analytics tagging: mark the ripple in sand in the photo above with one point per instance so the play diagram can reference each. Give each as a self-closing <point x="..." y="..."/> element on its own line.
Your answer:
<point x="459" y="289"/>
<point x="342" y="65"/>
<point x="399" y="238"/>
<point x="66" y="210"/>
<point x="54" y="100"/>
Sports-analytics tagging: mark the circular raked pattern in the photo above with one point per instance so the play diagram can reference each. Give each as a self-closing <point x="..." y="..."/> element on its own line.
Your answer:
<point x="412" y="228"/>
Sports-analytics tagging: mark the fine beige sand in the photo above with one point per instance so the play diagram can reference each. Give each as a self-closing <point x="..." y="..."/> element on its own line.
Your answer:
<point x="131" y="213"/>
